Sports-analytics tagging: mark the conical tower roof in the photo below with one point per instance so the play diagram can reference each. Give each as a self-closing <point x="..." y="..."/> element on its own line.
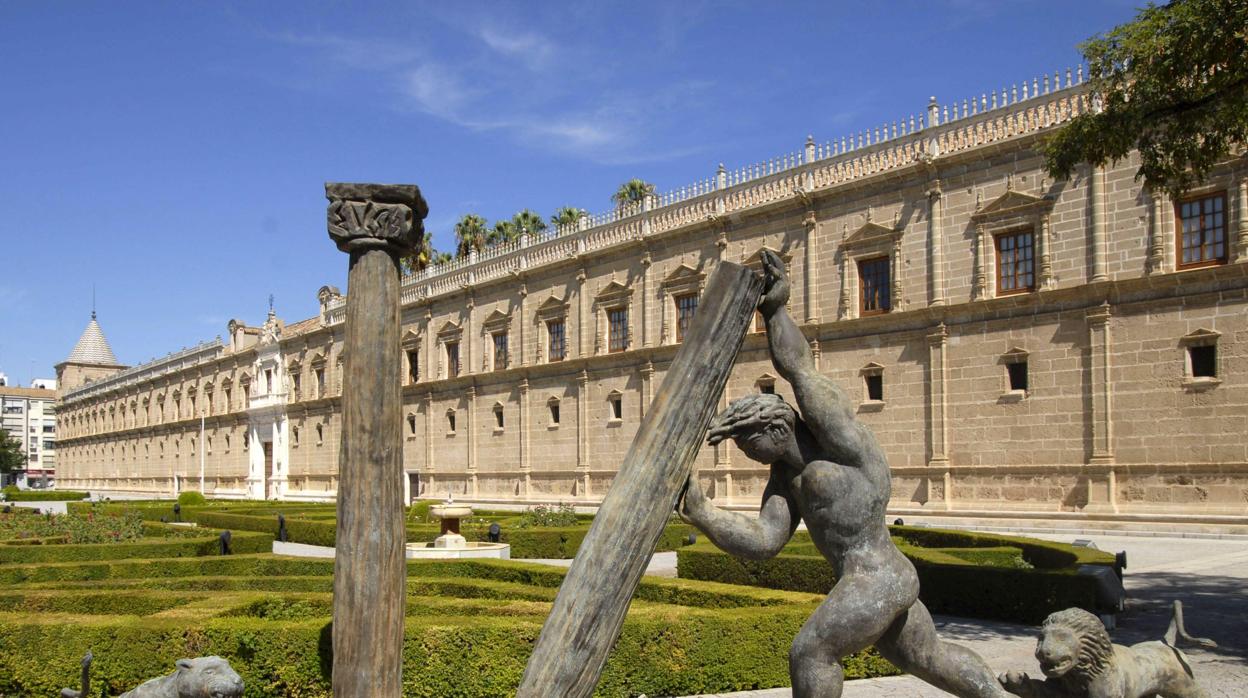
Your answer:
<point x="92" y="348"/>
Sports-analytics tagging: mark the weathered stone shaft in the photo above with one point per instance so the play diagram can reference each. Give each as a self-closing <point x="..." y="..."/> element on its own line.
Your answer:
<point x="589" y="609"/>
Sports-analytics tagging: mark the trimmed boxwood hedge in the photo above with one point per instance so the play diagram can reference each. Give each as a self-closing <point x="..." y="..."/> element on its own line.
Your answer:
<point x="44" y="496"/>
<point x="964" y="577"/>
<point x="559" y="543"/>
<point x="152" y="547"/>
<point x="470" y="640"/>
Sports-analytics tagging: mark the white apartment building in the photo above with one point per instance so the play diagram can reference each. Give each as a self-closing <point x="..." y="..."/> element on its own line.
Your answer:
<point x="29" y="415"/>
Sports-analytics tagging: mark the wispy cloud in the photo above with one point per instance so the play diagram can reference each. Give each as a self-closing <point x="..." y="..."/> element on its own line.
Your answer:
<point x="519" y="82"/>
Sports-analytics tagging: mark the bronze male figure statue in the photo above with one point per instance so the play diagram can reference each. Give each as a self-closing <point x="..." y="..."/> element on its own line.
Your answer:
<point x="827" y="469"/>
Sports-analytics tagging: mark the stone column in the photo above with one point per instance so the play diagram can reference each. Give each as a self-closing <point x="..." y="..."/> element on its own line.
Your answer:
<point x="521" y="345"/>
<point x="1096" y="195"/>
<point x="1044" y="280"/>
<point x="938" y="480"/>
<point x="935" y="246"/>
<point x="980" y="290"/>
<point x="843" y="307"/>
<point x="1241" y="225"/>
<point x="1156" y="248"/>
<point x="810" y="297"/>
<point x="1101" y="475"/>
<point x="582" y="317"/>
<point x="376" y="225"/>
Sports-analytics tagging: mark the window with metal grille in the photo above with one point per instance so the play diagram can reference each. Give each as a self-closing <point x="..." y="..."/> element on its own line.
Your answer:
<point x="686" y="307"/>
<point x="557" y="343"/>
<point x="618" y="320"/>
<point x="452" y="360"/>
<point x="873" y="282"/>
<point x="500" y="350"/>
<point x="1015" y="263"/>
<point x="1202" y="231"/>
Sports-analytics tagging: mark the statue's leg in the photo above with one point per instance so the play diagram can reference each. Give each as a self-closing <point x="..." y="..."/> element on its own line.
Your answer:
<point x="850" y="619"/>
<point x="913" y="645"/>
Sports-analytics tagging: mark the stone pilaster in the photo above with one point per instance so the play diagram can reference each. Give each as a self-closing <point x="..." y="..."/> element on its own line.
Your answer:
<point x="582" y="316"/>
<point x="526" y="464"/>
<point x="471" y="394"/>
<point x="844" y="306"/>
<point x="939" y="488"/>
<point x="582" y="432"/>
<point x="1100" y="471"/>
<point x="430" y="466"/>
<point x="522" y="346"/>
<point x="935" y="246"/>
<point x="810" y="264"/>
<point x="647" y="334"/>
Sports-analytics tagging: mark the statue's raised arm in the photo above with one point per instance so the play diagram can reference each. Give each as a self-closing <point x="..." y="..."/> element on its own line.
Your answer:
<point x="825" y="408"/>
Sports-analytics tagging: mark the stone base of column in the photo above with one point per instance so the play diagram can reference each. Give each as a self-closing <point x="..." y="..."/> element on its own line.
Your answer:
<point x="1102" y="484"/>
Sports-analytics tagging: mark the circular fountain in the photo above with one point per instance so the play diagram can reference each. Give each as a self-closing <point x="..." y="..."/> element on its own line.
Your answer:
<point x="451" y="544"/>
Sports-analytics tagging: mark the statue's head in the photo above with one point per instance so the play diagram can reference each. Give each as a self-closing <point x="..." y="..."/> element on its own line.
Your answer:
<point x="762" y="425"/>
<point x="1073" y="642"/>
<point x="207" y="677"/>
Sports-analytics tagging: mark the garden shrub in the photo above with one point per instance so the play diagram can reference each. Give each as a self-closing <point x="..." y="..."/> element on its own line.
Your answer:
<point x="192" y="498"/>
<point x="242" y="542"/>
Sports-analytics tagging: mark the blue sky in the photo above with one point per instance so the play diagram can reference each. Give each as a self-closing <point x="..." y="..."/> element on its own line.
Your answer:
<point x="173" y="154"/>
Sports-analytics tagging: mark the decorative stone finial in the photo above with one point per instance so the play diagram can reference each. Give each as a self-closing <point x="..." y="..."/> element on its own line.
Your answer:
<point x="375" y="216"/>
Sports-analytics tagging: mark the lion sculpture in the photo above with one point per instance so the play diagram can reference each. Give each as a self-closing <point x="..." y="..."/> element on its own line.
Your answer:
<point x="202" y="677"/>
<point x="1079" y="661"/>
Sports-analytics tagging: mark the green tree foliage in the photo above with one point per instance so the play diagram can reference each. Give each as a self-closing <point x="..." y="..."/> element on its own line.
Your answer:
<point x="470" y="234"/>
<point x="1172" y="84"/>
<point x="442" y="257"/>
<point x="632" y="192"/>
<point x="11" y="455"/>
<point x="566" y="217"/>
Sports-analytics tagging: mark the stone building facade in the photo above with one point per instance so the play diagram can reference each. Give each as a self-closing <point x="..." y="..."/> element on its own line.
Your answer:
<point x="1015" y="343"/>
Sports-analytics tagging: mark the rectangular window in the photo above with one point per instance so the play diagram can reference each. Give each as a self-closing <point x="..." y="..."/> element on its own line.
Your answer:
<point x="557" y="340"/>
<point x="1017" y="373"/>
<point x="1204" y="361"/>
<point x="618" y="319"/>
<point x="1202" y="231"/>
<point x="617" y="406"/>
<point x="1015" y="264"/>
<point x="411" y="424"/>
<point x="874" y="284"/>
<point x="452" y="360"/>
<point x="554" y="413"/>
<point x="450" y="421"/>
<point x="498" y="416"/>
<point x="875" y="387"/>
<point x="296" y="381"/>
<point x="320" y="382"/>
<point x="413" y="365"/>
<point x="686" y="306"/>
<point x="48" y="428"/>
<point x="268" y="380"/>
<point x="500" y="350"/>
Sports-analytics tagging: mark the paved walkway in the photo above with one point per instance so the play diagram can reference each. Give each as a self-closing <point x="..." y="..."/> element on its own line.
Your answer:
<point x="1210" y="577"/>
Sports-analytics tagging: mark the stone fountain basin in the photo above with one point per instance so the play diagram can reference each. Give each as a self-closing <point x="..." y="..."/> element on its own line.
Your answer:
<point x="470" y="549"/>
<point x="450" y="511"/>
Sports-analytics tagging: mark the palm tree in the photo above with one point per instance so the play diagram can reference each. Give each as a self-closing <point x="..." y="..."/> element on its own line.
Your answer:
<point x="527" y="221"/>
<point x="631" y="193"/>
<point x="503" y="232"/>
<point x="566" y="217"/>
<point x="469" y="234"/>
<point x="421" y="257"/>
<point x="441" y="258"/>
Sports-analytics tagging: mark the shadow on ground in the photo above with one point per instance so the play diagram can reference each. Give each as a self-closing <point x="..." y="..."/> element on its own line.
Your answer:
<point x="1215" y="607"/>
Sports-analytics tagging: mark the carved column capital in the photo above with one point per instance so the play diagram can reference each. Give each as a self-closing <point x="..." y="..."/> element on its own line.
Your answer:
<point x="364" y="217"/>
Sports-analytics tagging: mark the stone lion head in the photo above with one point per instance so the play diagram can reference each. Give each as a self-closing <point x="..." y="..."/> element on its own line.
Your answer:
<point x="1073" y="643"/>
<point x="207" y="677"/>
